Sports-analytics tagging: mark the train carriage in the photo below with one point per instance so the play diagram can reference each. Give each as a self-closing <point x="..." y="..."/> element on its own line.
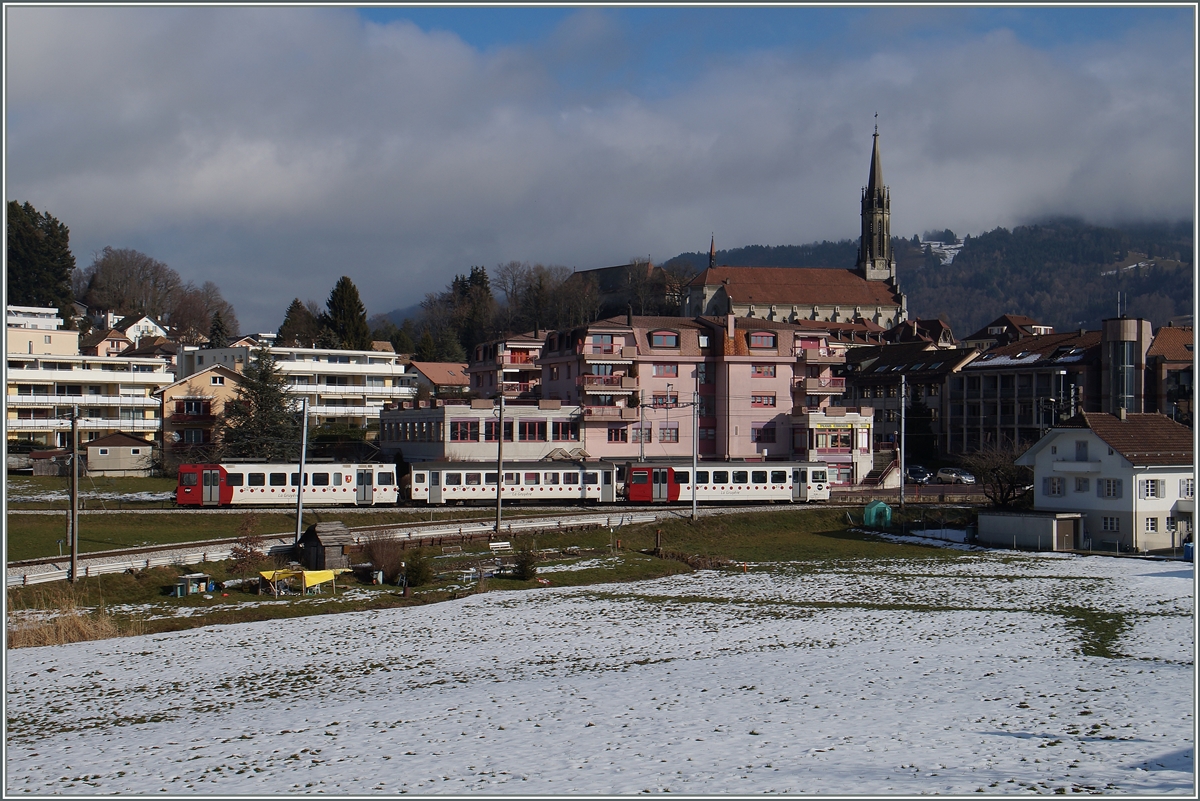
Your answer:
<point x="793" y="482"/>
<point x="276" y="484"/>
<point x="467" y="482"/>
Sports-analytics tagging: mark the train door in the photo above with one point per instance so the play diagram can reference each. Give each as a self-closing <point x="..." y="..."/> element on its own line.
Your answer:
<point x="365" y="495"/>
<point x="435" y="486"/>
<point x="608" y="487"/>
<point x="210" y="480"/>
<point x="800" y="483"/>
<point x="659" y="484"/>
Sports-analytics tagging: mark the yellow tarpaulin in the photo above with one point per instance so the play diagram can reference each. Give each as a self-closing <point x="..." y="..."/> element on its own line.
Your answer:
<point x="308" y="578"/>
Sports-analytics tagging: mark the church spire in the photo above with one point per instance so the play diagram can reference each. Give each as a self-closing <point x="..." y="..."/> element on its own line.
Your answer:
<point x="875" y="262"/>
<point x="712" y="252"/>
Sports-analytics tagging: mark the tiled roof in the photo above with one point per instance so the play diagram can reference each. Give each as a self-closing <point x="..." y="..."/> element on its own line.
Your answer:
<point x="1017" y="323"/>
<point x="1171" y="344"/>
<point x="1143" y="438"/>
<point x="443" y="373"/>
<point x="913" y="358"/>
<point x="96" y="337"/>
<point x="1041" y="350"/>
<point x="118" y="440"/>
<point x="801" y="286"/>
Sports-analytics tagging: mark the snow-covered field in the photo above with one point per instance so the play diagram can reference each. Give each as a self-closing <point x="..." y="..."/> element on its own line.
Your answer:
<point x="940" y="676"/>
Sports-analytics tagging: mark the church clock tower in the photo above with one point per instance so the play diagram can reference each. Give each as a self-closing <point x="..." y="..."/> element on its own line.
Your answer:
<point x="875" y="261"/>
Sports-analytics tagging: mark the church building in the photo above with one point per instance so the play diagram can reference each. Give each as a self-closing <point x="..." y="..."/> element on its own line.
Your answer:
<point x="867" y="294"/>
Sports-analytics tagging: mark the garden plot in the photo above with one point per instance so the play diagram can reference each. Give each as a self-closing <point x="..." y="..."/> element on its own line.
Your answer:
<point x="980" y="672"/>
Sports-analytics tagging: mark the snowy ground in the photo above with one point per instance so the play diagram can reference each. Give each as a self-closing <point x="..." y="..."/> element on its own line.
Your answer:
<point x="877" y="677"/>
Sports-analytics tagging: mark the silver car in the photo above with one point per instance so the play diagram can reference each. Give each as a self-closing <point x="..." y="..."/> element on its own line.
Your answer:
<point x="954" y="475"/>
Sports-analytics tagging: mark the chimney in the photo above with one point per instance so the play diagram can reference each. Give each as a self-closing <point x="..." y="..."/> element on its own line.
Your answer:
<point x="1121" y="414"/>
<point x="629" y="320"/>
<point x="729" y="326"/>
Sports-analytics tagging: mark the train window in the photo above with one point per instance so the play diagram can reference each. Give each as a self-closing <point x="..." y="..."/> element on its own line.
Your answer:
<point x="640" y="477"/>
<point x="683" y="477"/>
<point x="759" y="476"/>
<point x="418" y="478"/>
<point x="453" y="479"/>
<point x="320" y="479"/>
<point x="720" y="476"/>
<point x="591" y="478"/>
<point x="489" y="478"/>
<point x="384" y="478"/>
<point x="187" y="479"/>
<point x="570" y="478"/>
<point x="778" y="476"/>
<point x="607" y="478"/>
<point x="552" y="478"/>
<point x="739" y="476"/>
<point x="233" y="479"/>
<point x="512" y="478"/>
<point x="256" y="479"/>
<point x="434" y="476"/>
<point x="801" y="476"/>
<point x="296" y="479"/>
<point x="278" y="479"/>
<point x="337" y="479"/>
<point x="533" y="478"/>
<point x="473" y="479"/>
<point x="701" y="476"/>
<point x="819" y="475"/>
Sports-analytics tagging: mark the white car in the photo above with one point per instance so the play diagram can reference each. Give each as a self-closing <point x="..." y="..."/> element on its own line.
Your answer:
<point x="954" y="475"/>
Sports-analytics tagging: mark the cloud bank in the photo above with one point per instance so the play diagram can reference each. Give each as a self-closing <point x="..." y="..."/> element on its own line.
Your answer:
<point x="273" y="150"/>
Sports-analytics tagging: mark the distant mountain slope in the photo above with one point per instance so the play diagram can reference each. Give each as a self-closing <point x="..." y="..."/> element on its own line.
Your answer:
<point x="1064" y="273"/>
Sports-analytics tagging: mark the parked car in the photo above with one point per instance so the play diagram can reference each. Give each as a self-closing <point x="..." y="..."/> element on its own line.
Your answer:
<point x="918" y="474"/>
<point x="954" y="475"/>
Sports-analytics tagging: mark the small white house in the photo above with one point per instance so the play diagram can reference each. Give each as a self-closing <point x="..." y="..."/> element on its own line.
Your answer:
<point x="1131" y="476"/>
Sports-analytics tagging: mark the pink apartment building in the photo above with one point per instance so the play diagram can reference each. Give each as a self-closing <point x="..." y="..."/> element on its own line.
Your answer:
<point x="624" y="389"/>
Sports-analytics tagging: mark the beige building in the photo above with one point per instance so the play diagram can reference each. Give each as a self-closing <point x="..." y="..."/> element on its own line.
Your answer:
<point x="191" y="409"/>
<point x="119" y="455"/>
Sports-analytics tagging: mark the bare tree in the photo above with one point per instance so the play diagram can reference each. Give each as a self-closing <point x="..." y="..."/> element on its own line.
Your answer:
<point x="1003" y="482"/>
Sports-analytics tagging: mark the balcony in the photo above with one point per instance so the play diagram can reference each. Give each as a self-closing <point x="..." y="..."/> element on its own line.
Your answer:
<point x="609" y="413"/>
<point x="820" y="386"/>
<point x="606" y="384"/>
<point x="607" y="353"/>
<point x="126" y="401"/>
<point x="180" y="418"/>
<point x="352" y="390"/>
<point x="85" y="424"/>
<point x="819" y="355"/>
<point x="517" y="359"/>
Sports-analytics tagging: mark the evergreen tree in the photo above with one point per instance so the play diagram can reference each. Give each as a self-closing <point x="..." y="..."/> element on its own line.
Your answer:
<point x="260" y="422"/>
<point x="403" y="340"/>
<point x="218" y="333"/>
<point x="427" y="350"/>
<point x="300" y="328"/>
<point x="40" y="264"/>
<point x="346" y="317"/>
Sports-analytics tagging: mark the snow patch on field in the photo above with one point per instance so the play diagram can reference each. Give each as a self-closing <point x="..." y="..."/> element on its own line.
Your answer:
<point x="944" y="675"/>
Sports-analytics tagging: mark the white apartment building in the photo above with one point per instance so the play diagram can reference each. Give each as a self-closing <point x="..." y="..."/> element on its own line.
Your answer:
<point x="343" y="387"/>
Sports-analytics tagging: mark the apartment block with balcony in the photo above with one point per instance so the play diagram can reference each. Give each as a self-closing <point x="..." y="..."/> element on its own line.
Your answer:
<point x="38" y="331"/>
<point x="343" y="387"/>
<point x="508" y="365"/>
<point x="114" y="394"/>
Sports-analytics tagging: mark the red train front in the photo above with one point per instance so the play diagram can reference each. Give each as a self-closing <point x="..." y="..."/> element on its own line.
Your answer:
<point x="202" y="485"/>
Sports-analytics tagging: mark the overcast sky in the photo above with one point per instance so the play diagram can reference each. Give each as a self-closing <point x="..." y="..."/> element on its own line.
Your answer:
<point x="275" y="149"/>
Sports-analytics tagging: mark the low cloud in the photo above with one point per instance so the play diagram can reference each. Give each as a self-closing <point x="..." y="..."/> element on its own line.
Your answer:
<point x="273" y="150"/>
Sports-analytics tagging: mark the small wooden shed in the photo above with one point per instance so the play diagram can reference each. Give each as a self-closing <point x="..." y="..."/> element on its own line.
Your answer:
<point x="325" y="546"/>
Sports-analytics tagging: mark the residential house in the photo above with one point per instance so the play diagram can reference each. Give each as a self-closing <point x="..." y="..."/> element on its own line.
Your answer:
<point x="1005" y="329"/>
<point x="136" y="326"/>
<point x="442" y="379"/>
<point x="120" y="455"/>
<point x="507" y="365"/>
<point x="104" y="343"/>
<point x="191" y="412"/>
<point x="1130" y="475"/>
<point x="936" y="332"/>
<point x="37" y="330"/>
<point x="156" y="348"/>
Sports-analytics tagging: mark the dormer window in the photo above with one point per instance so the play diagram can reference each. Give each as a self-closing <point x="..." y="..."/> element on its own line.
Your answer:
<point x="762" y="339"/>
<point x="664" y="339"/>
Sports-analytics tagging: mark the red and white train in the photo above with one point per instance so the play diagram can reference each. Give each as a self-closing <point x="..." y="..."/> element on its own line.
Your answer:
<point x="267" y="484"/>
<point x="438" y="483"/>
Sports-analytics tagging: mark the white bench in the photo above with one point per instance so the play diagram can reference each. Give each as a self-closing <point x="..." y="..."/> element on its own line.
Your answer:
<point x="451" y="549"/>
<point x="500" y="547"/>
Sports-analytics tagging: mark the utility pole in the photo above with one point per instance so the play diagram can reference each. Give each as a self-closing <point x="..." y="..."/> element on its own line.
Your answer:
<point x="641" y="425"/>
<point x="695" y="439"/>
<point x="499" y="460"/>
<point x="300" y="475"/>
<point x="903" y="404"/>
<point x="74" y="492"/>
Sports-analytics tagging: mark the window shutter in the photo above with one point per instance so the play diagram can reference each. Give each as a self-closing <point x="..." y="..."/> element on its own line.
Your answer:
<point x="1142" y="489"/>
<point x="178" y="407"/>
<point x="1119" y="493"/>
<point x="1045" y="486"/>
<point x="1162" y="487"/>
<point x="1100" y="487"/>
